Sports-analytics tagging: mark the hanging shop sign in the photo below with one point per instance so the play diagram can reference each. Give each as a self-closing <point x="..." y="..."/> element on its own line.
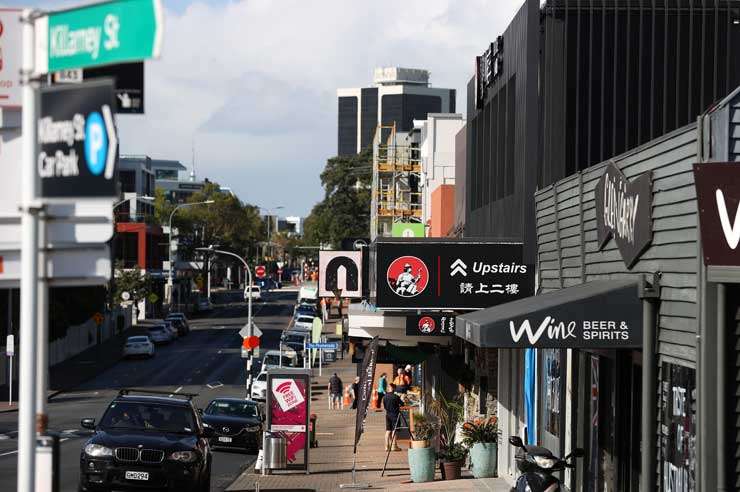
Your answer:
<point x="438" y="274"/>
<point x="78" y="142"/>
<point x="718" y="194"/>
<point x="287" y="403"/>
<point x="431" y="325"/>
<point x="488" y="67"/>
<point x="678" y="432"/>
<point x="623" y="211"/>
<point x="603" y="314"/>
<point x="340" y="272"/>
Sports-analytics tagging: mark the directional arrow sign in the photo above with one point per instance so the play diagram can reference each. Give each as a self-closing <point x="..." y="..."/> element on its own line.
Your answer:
<point x="100" y="34"/>
<point x="458" y="267"/>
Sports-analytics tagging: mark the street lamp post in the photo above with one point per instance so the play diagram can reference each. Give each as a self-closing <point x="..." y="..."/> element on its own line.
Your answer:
<point x="169" y="245"/>
<point x="269" y="231"/>
<point x="250" y="328"/>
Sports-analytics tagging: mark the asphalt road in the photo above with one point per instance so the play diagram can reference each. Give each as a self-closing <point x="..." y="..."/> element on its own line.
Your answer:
<point x="206" y="362"/>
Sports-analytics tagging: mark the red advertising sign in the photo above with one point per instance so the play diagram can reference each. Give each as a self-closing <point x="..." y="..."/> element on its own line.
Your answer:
<point x="260" y="271"/>
<point x="288" y="409"/>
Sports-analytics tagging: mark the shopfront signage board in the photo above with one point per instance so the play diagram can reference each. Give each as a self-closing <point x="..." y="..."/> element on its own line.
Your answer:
<point x="433" y="274"/>
<point x="431" y="325"/>
<point x="624" y="212"/>
<point x="408" y="229"/>
<point x="340" y="272"/>
<point x="99" y="34"/>
<point x="78" y="141"/>
<point x="718" y="196"/>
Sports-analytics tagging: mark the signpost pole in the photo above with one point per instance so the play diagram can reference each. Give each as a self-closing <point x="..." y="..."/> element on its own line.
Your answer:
<point x="29" y="265"/>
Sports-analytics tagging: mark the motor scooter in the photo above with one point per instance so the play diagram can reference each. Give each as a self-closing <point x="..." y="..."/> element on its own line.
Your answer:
<point x="537" y="465"/>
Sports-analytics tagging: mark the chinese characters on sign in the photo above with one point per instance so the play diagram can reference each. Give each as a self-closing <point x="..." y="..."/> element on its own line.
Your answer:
<point x="431" y="325"/>
<point x="449" y="274"/>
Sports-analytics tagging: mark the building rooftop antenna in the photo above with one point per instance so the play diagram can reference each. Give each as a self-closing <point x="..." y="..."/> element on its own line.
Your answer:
<point x="192" y="171"/>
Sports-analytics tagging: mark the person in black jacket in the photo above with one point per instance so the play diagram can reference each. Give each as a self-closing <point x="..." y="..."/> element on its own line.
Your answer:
<point x="355" y="392"/>
<point x="392" y="405"/>
<point x="335" y="393"/>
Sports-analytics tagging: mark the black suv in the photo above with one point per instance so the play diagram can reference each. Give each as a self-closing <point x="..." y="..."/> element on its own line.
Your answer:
<point x="147" y="440"/>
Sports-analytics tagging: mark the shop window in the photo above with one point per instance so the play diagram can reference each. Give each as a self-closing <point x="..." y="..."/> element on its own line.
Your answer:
<point x="551" y="394"/>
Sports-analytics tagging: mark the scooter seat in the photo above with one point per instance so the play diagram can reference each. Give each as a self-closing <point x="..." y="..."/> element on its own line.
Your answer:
<point x="539" y="451"/>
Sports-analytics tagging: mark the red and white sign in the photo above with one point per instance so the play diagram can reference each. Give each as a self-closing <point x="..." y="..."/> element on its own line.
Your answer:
<point x="407" y="276"/>
<point x="260" y="271"/>
<point x="286" y="393"/>
<point x="11" y="41"/>
<point x="427" y="325"/>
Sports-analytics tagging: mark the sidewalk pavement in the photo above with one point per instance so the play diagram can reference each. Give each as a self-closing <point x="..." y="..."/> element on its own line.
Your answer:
<point x="331" y="463"/>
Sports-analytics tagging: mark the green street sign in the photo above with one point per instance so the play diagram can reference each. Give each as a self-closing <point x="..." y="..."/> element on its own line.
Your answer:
<point x="99" y="34"/>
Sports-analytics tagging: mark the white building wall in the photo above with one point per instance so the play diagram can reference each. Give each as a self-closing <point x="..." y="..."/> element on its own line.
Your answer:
<point x="437" y="155"/>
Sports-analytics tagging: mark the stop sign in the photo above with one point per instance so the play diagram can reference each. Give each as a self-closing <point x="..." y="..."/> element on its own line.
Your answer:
<point x="260" y="271"/>
<point x="251" y="342"/>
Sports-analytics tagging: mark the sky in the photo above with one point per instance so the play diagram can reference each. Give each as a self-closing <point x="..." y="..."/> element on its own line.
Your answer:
<point x="250" y="85"/>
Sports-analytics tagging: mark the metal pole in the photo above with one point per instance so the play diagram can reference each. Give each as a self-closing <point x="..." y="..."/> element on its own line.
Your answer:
<point x="722" y="328"/>
<point x="29" y="267"/>
<point x="42" y="350"/>
<point x="649" y="294"/>
<point x="10" y="384"/>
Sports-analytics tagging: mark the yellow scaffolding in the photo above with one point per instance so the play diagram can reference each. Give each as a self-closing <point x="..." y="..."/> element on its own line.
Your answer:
<point x="396" y="177"/>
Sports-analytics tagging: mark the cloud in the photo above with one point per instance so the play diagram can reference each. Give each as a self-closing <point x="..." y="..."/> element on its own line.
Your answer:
<point x="252" y="82"/>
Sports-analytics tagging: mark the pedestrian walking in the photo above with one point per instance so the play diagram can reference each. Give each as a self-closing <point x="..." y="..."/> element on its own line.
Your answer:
<point x="382" y="388"/>
<point x="335" y="393"/>
<point x="392" y="405"/>
<point x="355" y="392"/>
<point x="401" y="381"/>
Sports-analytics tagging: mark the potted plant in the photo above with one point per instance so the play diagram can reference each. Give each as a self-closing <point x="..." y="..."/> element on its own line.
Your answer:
<point x="423" y="431"/>
<point x="452" y="461"/>
<point x="449" y="412"/>
<point x="421" y="456"/>
<point x="481" y="437"/>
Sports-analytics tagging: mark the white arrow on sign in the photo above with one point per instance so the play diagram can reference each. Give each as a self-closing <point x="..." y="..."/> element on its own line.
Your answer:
<point x="110" y="128"/>
<point x="458" y="267"/>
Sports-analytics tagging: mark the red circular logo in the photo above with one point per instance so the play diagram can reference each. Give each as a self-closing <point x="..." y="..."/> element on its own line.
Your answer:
<point x="407" y="276"/>
<point x="427" y="325"/>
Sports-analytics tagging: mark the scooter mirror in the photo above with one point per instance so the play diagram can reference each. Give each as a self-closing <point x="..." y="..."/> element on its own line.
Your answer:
<point x="577" y="453"/>
<point x="516" y="441"/>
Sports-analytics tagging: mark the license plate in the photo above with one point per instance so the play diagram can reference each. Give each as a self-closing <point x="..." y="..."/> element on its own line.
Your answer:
<point x="224" y="439"/>
<point x="136" y="475"/>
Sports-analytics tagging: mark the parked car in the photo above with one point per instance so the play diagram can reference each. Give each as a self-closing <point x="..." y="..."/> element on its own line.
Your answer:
<point x="272" y="359"/>
<point x="293" y="336"/>
<point x="255" y="294"/>
<point x="138" y="346"/>
<point x="172" y="329"/>
<point x="259" y="387"/>
<point x="151" y="440"/>
<point x="236" y="423"/>
<point x="305" y="310"/>
<point x="180" y="321"/>
<point x="159" y="334"/>
<point x="303" y="323"/>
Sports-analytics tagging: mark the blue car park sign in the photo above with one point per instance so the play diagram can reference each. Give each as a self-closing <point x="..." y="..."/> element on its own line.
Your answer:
<point x="78" y="144"/>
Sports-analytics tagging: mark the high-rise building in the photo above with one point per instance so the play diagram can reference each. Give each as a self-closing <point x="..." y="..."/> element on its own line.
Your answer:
<point x="398" y="95"/>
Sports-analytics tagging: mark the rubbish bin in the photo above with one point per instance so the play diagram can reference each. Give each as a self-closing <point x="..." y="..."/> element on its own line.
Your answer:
<point x="275" y="453"/>
<point x="312" y="429"/>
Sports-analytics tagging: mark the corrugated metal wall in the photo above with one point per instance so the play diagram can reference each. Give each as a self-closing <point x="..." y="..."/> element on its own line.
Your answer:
<point x="568" y="251"/>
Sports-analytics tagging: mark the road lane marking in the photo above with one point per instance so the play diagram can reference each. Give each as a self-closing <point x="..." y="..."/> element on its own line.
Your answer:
<point x="8" y="453"/>
<point x="214" y="385"/>
<point x="176" y="391"/>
